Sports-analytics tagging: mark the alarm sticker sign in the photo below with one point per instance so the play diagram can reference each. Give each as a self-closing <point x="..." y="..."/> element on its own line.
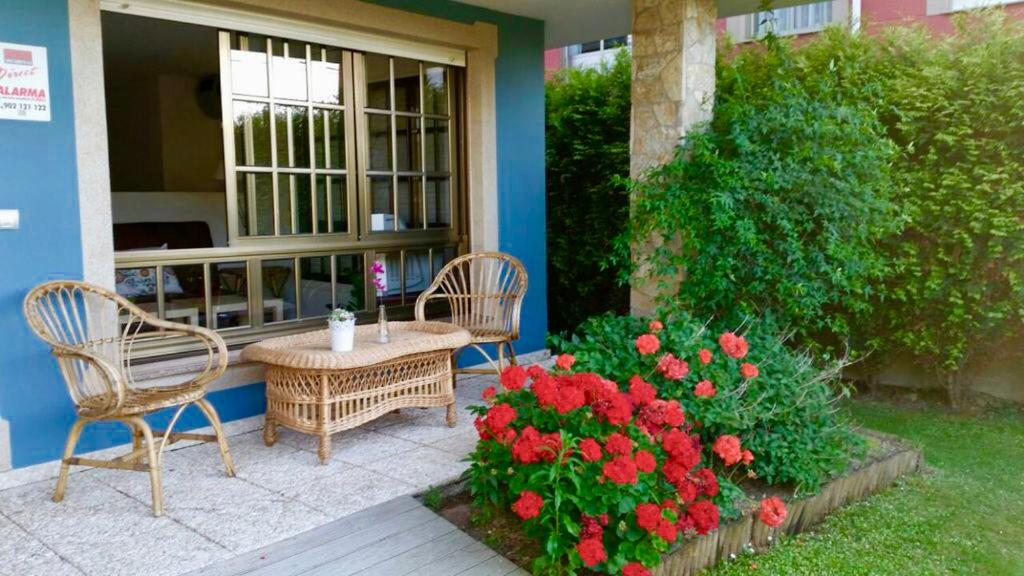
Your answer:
<point x="24" y="83"/>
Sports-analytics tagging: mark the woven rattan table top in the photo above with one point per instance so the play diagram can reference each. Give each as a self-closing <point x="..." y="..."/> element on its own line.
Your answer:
<point x="312" y="350"/>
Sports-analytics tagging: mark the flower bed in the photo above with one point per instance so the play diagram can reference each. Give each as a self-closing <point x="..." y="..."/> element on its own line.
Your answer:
<point x="890" y="459"/>
<point x="609" y="475"/>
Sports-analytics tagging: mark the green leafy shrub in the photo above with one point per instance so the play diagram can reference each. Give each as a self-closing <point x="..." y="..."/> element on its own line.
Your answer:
<point x="776" y="209"/>
<point x="785" y="415"/>
<point x="587" y="157"/>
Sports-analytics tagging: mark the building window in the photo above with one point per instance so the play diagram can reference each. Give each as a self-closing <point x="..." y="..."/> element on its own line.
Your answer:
<point x="792" y="20"/>
<point x="255" y="179"/>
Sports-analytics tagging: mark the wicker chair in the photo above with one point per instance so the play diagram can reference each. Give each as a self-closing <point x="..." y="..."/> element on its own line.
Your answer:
<point x="92" y="333"/>
<point x="484" y="292"/>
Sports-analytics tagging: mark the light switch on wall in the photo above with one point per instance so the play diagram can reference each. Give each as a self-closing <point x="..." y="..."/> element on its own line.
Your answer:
<point x="8" y="219"/>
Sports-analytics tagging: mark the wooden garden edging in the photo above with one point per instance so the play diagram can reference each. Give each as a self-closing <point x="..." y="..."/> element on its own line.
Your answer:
<point x="873" y="476"/>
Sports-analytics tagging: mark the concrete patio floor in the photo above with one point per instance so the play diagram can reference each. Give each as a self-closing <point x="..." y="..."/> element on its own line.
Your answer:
<point x="104" y="526"/>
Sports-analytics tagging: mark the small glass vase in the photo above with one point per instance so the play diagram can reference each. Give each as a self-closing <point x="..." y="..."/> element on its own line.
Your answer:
<point x="382" y="325"/>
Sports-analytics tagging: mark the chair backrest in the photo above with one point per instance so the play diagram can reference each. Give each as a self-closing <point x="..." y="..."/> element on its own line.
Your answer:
<point x="484" y="291"/>
<point x="91" y="331"/>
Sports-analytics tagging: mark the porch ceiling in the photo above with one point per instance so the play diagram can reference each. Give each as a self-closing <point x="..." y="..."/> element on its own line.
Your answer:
<point x="573" y="21"/>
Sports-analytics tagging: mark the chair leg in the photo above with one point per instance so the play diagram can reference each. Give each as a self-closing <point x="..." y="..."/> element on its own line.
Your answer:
<point x="222" y="441"/>
<point x="65" y="466"/>
<point x="154" y="465"/>
<point x="501" y="357"/>
<point x="511" y="354"/>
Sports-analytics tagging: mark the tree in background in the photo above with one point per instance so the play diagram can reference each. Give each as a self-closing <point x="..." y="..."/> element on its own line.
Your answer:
<point x="587" y="133"/>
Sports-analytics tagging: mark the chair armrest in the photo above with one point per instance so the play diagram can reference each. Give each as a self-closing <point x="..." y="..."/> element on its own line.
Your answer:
<point x="213" y="342"/>
<point x="77" y="386"/>
<point x="425" y="296"/>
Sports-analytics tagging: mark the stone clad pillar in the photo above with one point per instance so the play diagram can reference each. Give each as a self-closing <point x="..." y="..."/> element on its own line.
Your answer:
<point x="673" y="90"/>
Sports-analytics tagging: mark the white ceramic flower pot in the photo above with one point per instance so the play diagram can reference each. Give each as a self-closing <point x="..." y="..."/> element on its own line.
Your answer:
<point x="343" y="335"/>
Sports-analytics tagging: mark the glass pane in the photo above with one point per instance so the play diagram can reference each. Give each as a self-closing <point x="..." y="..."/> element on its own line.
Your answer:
<point x="393" y="273"/>
<point x="379" y="127"/>
<point x="332" y="132"/>
<point x="290" y="72"/>
<point x="303" y="204"/>
<point x="410" y="208"/>
<point x="292" y="127"/>
<point x="327" y="76"/>
<point x="249" y="67"/>
<point x="315" y="284"/>
<point x="252" y="133"/>
<point x="278" y="290"/>
<point x="417" y="273"/>
<point x="255" y="201"/>
<point x="436" y="149"/>
<point x="138" y="285"/>
<point x="442" y="256"/>
<point x="407" y="136"/>
<point x="438" y="203"/>
<point x="184" y="294"/>
<point x="407" y="85"/>
<point x="230" y="289"/>
<point x="378" y="85"/>
<point x="333" y="187"/>
<point x="382" y="208"/>
<point x="435" y="90"/>
<point x="350" y="286"/>
<point x="284" y="203"/>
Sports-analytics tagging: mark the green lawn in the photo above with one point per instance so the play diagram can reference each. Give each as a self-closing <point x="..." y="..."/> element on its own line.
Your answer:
<point x="966" y="516"/>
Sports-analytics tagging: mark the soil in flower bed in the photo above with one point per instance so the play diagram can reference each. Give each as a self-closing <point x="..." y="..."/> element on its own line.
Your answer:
<point x="502" y="530"/>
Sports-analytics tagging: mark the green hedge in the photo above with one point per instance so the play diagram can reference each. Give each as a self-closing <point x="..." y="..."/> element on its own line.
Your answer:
<point x="861" y="190"/>
<point x="587" y="205"/>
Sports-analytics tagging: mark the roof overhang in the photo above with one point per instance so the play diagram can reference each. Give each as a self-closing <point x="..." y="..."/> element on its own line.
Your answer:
<point x="574" y="21"/>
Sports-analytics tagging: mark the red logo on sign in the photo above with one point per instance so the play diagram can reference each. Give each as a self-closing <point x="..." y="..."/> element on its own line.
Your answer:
<point x="13" y="56"/>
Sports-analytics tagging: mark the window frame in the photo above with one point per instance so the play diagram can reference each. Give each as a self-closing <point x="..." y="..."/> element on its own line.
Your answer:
<point x="254" y="250"/>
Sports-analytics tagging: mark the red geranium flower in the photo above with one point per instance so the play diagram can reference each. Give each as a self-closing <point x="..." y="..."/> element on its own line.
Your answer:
<point x="497" y="419"/>
<point x="621" y="470"/>
<point x="532" y="446"/>
<point x="645" y="461"/>
<point x="708" y="482"/>
<point x="536" y="371"/>
<point x="705" y="356"/>
<point x="565" y="361"/>
<point x="655" y="326"/>
<point x="489" y="392"/>
<point x="635" y="569"/>
<point x="748" y="457"/>
<point x="667" y="531"/>
<point x="728" y="449"/>
<point x="613" y="407"/>
<point x="569" y="398"/>
<point x="591" y="551"/>
<point x="674" y="415"/>
<point x="687" y="489"/>
<point x="618" y="444"/>
<point x="673" y="368"/>
<point x="648" y="516"/>
<point x="640" y="392"/>
<point x="683" y="449"/>
<point x="513" y="377"/>
<point x="704" y="389"/>
<point x="733" y="345"/>
<point x="590" y="449"/>
<point x="647" y="344"/>
<point x="528" y="505"/>
<point x="704" y="516"/>
<point x="546" y="390"/>
<point x="590" y="527"/>
<point x="773" y="511"/>
<point x="748" y="370"/>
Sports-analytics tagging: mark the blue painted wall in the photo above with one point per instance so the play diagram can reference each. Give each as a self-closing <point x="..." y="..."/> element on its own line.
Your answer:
<point x="38" y="177"/>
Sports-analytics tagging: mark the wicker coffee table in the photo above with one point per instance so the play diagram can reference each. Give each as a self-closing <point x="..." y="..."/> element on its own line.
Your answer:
<point x="315" y="391"/>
